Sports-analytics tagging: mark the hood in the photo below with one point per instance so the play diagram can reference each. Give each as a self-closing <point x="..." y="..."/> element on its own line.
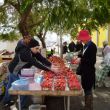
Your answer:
<point x="33" y="43"/>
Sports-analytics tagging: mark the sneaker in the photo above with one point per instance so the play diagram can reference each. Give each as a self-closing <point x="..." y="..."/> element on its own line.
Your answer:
<point x="13" y="107"/>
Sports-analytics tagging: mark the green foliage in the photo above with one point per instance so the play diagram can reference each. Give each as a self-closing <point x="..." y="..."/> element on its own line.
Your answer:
<point x="74" y="32"/>
<point x="61" y="16"/>
<point x="9" y="36"/>
<point x="24" y="5"/>
<point x="100" y="14"/>
<point x="3" y="15"/>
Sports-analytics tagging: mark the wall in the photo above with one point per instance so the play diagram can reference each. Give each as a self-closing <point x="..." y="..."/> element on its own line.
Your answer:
<point x="10" y="46"/>
<point x="99" y="37"/>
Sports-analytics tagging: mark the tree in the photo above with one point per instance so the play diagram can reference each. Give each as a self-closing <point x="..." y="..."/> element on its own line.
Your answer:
<point x="24" y="16"/>
<point x="86" y="14"/>
<point x="61" y="16"/>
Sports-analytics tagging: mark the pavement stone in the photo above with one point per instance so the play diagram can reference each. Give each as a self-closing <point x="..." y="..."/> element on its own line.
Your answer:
<point x="101" y="100"/>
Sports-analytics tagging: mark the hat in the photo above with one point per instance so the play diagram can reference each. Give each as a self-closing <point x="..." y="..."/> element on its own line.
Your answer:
<point x="105" y="43"/>
<point x="33" y="43"/>
<point x="84" y="35"/>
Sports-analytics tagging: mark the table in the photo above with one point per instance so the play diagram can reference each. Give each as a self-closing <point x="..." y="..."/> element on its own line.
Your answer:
<point x="35" y="90"/>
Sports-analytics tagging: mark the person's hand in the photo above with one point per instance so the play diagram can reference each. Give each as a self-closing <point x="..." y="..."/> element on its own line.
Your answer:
<point x="38" y="70"/>
<point x="78" y="60"/>
<point x="55" y="69"/>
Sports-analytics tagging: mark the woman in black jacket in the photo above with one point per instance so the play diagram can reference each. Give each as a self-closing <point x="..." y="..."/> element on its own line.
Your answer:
<point x="37" y="55"/>
<point x="24" y="58"/>
<point x="87" y="67"/>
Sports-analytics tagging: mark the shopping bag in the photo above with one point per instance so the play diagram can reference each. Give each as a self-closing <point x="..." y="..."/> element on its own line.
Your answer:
<point x="78" y="70"/>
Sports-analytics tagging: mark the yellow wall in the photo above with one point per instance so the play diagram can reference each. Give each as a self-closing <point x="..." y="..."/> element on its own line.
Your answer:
<point x="94" y="37"/>
<point x="102" y="36"/>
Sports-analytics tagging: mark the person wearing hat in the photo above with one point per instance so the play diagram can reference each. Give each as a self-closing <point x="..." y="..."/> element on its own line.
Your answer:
<point x="23" y="56"/>
<point x="104" y="71"/>
<point x="106" y="48"/>
<point x="34" y="43"/>
<point x="87" y="67"/>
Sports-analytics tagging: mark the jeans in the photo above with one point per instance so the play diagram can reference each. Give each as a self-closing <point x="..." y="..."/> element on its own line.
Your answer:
<point x="7" y="96"/>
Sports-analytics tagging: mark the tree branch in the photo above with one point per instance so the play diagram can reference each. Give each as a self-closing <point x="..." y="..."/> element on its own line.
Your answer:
<point x="26" y="13"/>
<point x="18" y="2"/>
<point x="15" y="5"/>
<point x="38" y="22"/>
<point x="35" y="24"/>
<point x="44" y="34"/>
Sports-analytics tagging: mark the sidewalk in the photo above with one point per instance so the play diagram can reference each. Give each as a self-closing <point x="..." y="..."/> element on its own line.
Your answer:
<point x="101" y="100"/>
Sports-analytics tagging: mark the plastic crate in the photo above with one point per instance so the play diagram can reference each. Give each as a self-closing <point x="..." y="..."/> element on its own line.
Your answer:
<point x="20" y="84"/>
<point x="37" y="99"/>
<point x="37" y="107"/>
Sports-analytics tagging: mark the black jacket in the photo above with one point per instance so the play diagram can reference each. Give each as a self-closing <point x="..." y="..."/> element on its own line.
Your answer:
<point x="71" y="47"/>
<point x="79" y="47"/>
<point x="38" y="56"/>
<point x="65" y="49"/>
<point x="87" y="66"/>
<point x="23" y="54"/>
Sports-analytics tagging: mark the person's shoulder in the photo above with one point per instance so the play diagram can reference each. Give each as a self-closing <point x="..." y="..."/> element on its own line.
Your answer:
<point x="20" y="41"/>
<point x="93" y="46"/>
<point x="108" y="47"/>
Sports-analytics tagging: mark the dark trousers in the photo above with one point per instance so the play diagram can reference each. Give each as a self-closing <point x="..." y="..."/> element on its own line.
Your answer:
<point x="88" y="92"/>
<point x="7" y="96"/>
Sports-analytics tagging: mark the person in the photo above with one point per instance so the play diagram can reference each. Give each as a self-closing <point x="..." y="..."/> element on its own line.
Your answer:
<point x="70" y="54"/>
<point x="50" y="53"/>
<point x="79" y="46"/>
<point x="38" y="55"/>
<point x="71" y="46"/>
<point x="106" y="49"/>
<point x="23" y="56"/>
<point x="87" y="67"/>
<point x="104" y="70"/>
<point x="65" y="48"/>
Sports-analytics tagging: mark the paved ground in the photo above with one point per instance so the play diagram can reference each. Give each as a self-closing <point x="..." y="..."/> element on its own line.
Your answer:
<point x="101" y="100"/>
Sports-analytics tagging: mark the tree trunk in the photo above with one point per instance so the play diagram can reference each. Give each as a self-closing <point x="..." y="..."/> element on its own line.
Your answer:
<point x="61" y="54"/>
<point x="109" y="34"/>
<point x="97" y="36"/>
<point x="41" y="36"/>
<point x="23" y="28"/>
<point x="23" y="24"/>
<point x="43" y="43"/>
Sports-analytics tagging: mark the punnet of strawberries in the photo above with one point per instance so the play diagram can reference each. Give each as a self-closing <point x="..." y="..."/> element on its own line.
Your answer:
<point x="46" y="84"/>
<point x="58" y="82"/>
